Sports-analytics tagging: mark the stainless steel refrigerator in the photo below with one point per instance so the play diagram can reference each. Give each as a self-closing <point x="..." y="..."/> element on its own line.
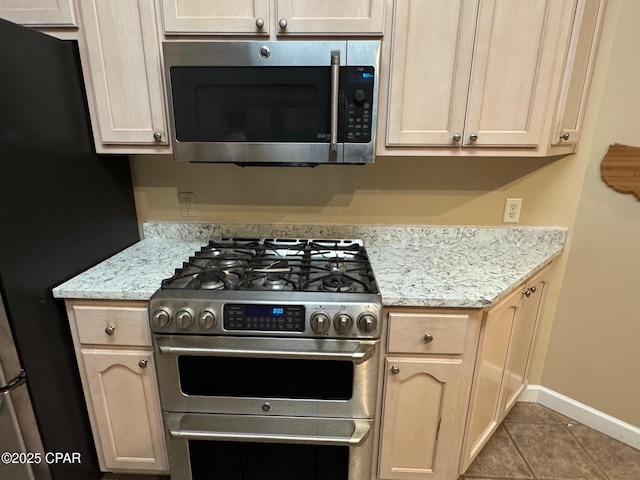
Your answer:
<point x="63" y="209"/>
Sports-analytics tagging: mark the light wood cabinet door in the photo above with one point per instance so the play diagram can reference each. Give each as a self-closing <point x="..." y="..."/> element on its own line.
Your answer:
<point x="39" y="13"/>
<point x="122" y="72"/>
<point x="418" y="414"/>
<point x="430" y="67"/>
<point x="490" y="363"/>
<point x="521" y="343"/>
<point x="512" y="70"/>
<point x="581" y="57"/>
<point x="216" y="16"/>
<point x="330" y="16"/>
<point x="125" y="404"/>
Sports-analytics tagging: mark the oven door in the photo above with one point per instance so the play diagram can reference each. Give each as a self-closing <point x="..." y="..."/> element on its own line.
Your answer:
<point x="272" y="102"/>
<point x="248" y="447"/>
<point x="271" y="376"/>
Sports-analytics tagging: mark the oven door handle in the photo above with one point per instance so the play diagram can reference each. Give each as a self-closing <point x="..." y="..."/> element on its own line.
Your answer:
<point x="362" y="353"/>
<point x="360" y="434"/>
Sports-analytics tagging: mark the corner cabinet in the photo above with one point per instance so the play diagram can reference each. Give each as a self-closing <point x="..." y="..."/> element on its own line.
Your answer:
<point x="503" y="358"/>
<point x="113" y="348"/>
<point x="427" y="374"/>
<point x="471" y="77"/>
<point x="259" y="17"/>
<point x="120" y="54"/>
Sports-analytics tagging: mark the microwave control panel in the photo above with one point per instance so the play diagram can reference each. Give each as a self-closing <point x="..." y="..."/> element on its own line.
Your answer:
<point x="359" y="104"/>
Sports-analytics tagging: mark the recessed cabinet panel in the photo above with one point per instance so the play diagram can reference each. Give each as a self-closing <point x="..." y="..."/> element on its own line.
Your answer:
<point x="216" y="16"/>
<point x="419" y="408"/>
<point x="330" y="16"/>
<point x="512" y="66"/>
<point x="126" y="407"/>
<point x="39" y="13"/>
<point x="430" y="66"/>
<point x="123" y="55"/>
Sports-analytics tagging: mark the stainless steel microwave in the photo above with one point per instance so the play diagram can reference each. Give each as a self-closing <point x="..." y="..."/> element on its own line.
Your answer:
<point x="285" y="102"/>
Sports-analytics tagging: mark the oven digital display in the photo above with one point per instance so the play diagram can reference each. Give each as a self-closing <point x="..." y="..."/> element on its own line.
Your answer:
<point x="288" y="318"/>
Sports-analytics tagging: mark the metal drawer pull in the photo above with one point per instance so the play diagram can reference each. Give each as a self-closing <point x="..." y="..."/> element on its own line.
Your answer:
<point x="359" y="435"/>
<point x="395" y="370"/>
<point x="110" y="329"/>
<point x="428" y="338"/>
<point x="143" y="363"/>
<point x="14" y="383"/>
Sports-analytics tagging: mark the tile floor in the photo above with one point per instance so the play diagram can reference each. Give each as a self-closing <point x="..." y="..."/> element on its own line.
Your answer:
<point x="535" y="442"/>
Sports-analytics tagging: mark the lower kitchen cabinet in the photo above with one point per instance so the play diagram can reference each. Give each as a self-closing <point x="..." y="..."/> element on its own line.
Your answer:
<point x="427" y="376"/>
<point x="123" y="390"/>
<point x="115" y="359"/>
<point x="419" y="407"/>
<point x="503" y="358"/>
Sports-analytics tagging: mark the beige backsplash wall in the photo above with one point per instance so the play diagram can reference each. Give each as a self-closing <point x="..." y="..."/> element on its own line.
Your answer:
<point x="441" y="191"/>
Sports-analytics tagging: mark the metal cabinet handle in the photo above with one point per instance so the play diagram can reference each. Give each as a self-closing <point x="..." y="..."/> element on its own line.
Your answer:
<point x="428" y="338"/>
<point x="259" y="22"/>
<point x="395" y="370"/>
<point x="473" y="137"/>
<point x="533" y="289"/>
<point x="157" y="136"/>
<point x="283" y="23"/>
<point x="457" y="137"/>
<point x="565" y="136"/>
<point x="527" y="292"/>
<point x="335" y="80"/>
<point x="14" y="383"/>
<point x="143" y="363"/>
<point x="110" y="329"/>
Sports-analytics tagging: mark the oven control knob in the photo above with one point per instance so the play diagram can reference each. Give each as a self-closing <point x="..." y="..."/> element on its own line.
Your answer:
<point x="184" y="318"/>
<point x="367" y="322"/>
<point x="161" y="317"/>
<point x="343" y="322"/>
<point x="320" y="322"/>
<point x="207" y="318"/>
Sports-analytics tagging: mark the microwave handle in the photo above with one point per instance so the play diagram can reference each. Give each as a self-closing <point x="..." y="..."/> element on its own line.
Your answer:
<point x="335" y="81"/>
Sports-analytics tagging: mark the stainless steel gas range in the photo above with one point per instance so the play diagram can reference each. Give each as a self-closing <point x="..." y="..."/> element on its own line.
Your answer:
<point x="267" y="353"/>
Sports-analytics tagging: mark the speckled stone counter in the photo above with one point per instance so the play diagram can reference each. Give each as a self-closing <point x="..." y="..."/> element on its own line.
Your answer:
<point x="469" y="267"/>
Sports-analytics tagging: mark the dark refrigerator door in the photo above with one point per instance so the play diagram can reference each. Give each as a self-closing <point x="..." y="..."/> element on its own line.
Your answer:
<point x="62" y="210"/>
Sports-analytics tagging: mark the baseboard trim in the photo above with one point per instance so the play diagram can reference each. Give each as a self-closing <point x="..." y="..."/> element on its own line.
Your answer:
<point x="583" y="414"/>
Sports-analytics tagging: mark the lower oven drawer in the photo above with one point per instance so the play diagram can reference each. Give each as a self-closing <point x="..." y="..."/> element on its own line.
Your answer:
<point x="267" y="376"/>
<point x="204" y="446"/>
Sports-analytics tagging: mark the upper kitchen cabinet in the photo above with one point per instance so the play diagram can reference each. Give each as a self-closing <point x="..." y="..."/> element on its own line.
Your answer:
<point x="120" y="54"/>
<point x="244" y="17"/>
<point x="474" y="77"/>
<point x="254" y="17"/>
<point x="39" y="13"/>
<point x="580" y="61"/>
<point x="330" y="17"/>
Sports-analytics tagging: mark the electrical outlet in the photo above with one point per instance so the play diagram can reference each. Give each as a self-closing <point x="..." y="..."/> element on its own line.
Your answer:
<point x="512" y="210"/>
<point x="187" y="202"/>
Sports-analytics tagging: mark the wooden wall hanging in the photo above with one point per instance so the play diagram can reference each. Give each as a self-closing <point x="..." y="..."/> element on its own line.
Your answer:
<point x="620" y="169"/>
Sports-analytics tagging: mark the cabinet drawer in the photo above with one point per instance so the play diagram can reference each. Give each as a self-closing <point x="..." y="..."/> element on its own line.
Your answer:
<point x="408" y="332"/>
<point x="112" y="325"/>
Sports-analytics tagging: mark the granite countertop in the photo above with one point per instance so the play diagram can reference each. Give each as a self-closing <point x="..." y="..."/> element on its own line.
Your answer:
<point x="467" y="267"/>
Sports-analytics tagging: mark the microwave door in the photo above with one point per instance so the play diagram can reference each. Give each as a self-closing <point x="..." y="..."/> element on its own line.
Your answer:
<point x="248" y="113"/>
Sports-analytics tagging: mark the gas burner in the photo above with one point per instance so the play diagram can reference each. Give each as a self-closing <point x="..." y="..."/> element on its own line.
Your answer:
<point x="337" y="283"/>
<point x="216" y="280"/>
<point x="336" y="265"/>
